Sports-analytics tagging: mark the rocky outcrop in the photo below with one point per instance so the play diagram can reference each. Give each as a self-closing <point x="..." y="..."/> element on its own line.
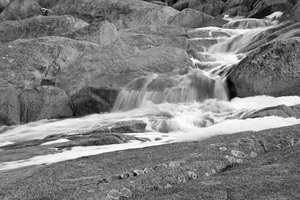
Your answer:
<point x="45" y="102"/>
<point x="191" y="18"/>
<point x="272" y="69"/>
<point x="72" y="65"/>
<point x="214" y="168"/>
<point x="39" y="26"/>
<point x="123" y="14"/>
<point x="214" y="7"/>
<point x="263" y="8"/>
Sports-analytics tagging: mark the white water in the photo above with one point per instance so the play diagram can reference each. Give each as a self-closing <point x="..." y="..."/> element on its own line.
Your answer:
<point x="189" y="105"/>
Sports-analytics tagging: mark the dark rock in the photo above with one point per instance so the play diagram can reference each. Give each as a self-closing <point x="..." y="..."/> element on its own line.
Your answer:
<point x="271" y="69"/>
<point x="123" y="14"/>
<point x="194" y="19"/>
<point x="45" y="102"/>
<point x="20" y="9"/>
<point x="263" y="8"/>
<point x="9" y="107"/>
<point x="89" y="100"/>
<point x="39" y="26"/>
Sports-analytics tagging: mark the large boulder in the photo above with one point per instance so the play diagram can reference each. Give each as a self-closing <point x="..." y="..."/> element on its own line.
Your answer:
<point x="272" y="69"/>
<point x="191" y="18"/>
<point x="9" y="107"/>
<point x="20" y="9"/>
<point x="263" y="8"/>
<point x="45" y="102"/>
<point x="39" y="26"/>
<point x="238" y="7"/>
<point x="122" y="13"/>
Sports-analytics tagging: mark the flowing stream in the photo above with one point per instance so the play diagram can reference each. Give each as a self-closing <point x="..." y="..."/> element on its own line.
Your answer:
<point x="191" y="104"/>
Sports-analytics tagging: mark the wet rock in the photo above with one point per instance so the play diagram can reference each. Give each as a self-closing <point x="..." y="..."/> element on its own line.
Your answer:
<point x="89" y="100"/>
<point x="264" y="8"/>
<point x="39" y="26"/>
<point x="20" y="9"/>
<point x="281" y="111"/>
<point x="194" y="19"/>
<point x="45" y="102"/>
<point x="269" y="70"/>
<point x="123" y="14"/>
<point x="282" y="31"/>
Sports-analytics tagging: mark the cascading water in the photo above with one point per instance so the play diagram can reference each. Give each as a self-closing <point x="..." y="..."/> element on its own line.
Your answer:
<point x="190" y="104"/>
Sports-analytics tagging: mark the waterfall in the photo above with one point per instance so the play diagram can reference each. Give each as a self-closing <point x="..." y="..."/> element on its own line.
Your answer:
<point x="189" y="104"/>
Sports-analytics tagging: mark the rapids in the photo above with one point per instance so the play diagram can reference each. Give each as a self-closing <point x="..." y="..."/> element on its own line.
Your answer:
<point x="190" y="104"/>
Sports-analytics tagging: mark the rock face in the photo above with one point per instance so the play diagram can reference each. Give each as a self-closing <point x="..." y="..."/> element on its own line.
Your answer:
<point x="271" y="69"/>
<point x="123" y="14"/>
<point x="39" y="26"/>
<point x="214" y="7"/>
<point x="264" y="8"/>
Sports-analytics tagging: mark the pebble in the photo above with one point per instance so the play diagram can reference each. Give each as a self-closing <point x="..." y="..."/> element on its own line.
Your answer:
<point x="125" y="192"/>
<point x="253" y="154"/>
<point x="138" y="172"/>
<point x="181" y="179"/>
<point x="174" y="164"/>
<point x="223" y="148"/>
<point x="238" y="154"/>
<point x="192" y="175"/>
<point x="160" y="166"/>
<point x="148" y="170"/>
<point x="114" y="194"/>
<point x="168" y="186"/>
